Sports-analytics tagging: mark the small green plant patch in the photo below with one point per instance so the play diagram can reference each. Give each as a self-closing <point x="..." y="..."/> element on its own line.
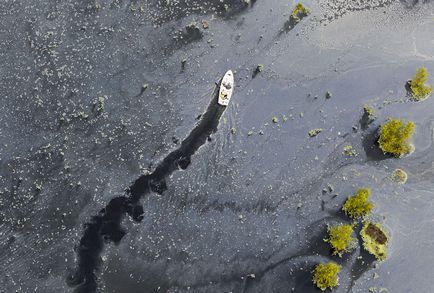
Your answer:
<point x="369" y="111"/>
<point x="419" y="89"/>
<point x="395" y="137"/>
<point x="341" y="238"/>
<point x="299" y="12"/>
<point x="349" y="151"/>
<point x="358" y="205"/>
<point x="314" y="132"/>
<point x="326" y="275"/>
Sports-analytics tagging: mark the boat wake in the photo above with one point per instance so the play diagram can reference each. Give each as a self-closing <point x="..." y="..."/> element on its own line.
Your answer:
<point x="106" y="225"/>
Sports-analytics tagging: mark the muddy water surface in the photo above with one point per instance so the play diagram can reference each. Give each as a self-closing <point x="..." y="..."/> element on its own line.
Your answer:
<point x="251" y="199"/>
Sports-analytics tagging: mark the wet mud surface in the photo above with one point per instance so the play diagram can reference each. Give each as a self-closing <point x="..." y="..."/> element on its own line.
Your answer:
<point x="120" y="173"/>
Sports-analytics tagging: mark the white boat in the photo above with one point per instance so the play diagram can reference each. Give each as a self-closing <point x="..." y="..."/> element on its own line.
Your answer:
<point x="226" y="88"/>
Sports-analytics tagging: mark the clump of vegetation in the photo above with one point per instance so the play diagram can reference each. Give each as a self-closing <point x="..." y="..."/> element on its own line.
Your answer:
<point x="358" y="205"/>
<point x="349" y="151"/>
<point x="395" y="137"/>
<point x="375" y="240"/>
<point x="275" y="119"/>
<point x="299" y="12"/>
<point x="314" y="132"/>
<point x="326" y="275"/>
<point x="341" y="239"/>
<point x="419" y="89"/>
<point x="399" y="176"/>
<point x="369" y="111"/>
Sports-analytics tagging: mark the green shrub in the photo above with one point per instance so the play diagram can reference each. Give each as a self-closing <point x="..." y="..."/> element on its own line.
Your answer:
<point x="299" y="12"/>
<point x="340" y="238"/>
<point x="395" y="137"/>
<point x="326" y="275"/>
<point x="419" y="89"/>
<point x="358" y="205"/>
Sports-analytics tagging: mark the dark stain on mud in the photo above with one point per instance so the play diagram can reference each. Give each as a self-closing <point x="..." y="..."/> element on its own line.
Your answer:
<point x="106" y="225"/>
<point x="376" y="234"/>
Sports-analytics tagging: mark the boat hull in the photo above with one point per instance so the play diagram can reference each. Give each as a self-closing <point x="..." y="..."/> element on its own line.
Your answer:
<point x="226" y="88"/>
